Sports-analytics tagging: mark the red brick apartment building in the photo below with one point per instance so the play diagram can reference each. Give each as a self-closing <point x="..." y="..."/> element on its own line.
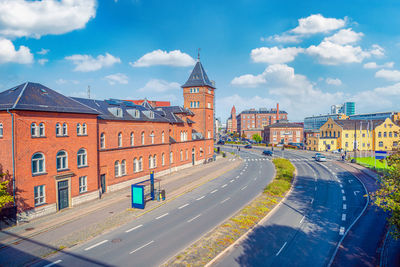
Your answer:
<point x="283" y="132"/>
<point x="63" y="151"/>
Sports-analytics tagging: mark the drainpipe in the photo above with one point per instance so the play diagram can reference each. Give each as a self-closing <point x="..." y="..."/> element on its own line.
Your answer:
<point x="13" y="153"/>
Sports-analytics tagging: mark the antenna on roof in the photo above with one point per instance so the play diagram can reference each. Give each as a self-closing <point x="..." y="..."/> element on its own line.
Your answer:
<point x="198" y="54"/>
<point x="88" y="91"/>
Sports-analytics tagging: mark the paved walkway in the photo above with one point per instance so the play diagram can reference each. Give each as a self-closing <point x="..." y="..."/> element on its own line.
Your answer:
<point x="43" y="236"/>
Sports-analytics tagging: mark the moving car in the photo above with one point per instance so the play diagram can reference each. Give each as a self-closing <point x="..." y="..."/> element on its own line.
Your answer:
<point x="317" y="155"/>
<point x="267" y="153"/>
<point x="248" y="146"/>
<point x="321" y="158"/>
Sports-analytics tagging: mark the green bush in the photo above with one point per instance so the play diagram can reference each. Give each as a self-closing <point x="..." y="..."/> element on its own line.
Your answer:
<point x="283" y="178"/>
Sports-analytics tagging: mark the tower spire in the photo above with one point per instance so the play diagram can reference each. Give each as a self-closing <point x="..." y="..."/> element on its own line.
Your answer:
<point x="198" y="54"/>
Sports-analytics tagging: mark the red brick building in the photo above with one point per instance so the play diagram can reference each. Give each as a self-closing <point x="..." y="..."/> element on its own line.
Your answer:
<point x="63" y="151"/>
<point x="231" y="123"/>
<point x="283" y="132"/>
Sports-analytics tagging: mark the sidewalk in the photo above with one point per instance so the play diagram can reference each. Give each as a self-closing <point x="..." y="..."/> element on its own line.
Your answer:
<point x="45" y="235"/>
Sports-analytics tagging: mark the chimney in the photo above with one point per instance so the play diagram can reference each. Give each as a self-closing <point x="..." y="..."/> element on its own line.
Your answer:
<point x="277" y="112"/>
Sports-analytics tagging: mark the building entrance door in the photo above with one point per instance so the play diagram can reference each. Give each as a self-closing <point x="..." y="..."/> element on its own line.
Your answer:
<point x="193" y="157"/>
<point x="63" y="196"/>
<point x="103" y="183"/>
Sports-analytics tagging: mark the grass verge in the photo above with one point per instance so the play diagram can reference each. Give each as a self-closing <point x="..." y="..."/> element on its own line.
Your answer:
<point x="214" y="242"/>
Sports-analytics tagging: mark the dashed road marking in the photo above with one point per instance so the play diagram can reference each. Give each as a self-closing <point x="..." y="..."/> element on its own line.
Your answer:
<point x="344" y="198"/>
<point x="341" y="231"/>
<point x="53" y="263"/>
<point x="243" y="188"/>
<point x="312" y="200"/>
<point x="342" y="191"/>
<point x="200" y="198"/>
<point x="194" y="218"/>
<point x="232" y="181"/>
<point x="281" y="249"/>
<point x="344" y="206"/>
<point x="224" y="185"/>
<point x="161" y="216"/>
<point x="139" y="248"/>
<point x="134" y="228"/>
<point x="226" y="199"/>
<point x="96" y="245"/>
<point x="343" y="217"/>
<point x="341" y="186"/>
<point x="181" y="207"/>
<point x="302" y="219"/>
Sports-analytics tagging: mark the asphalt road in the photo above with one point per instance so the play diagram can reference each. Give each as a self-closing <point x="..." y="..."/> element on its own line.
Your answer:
<point x="160" y="234"/>
<point x="306" y="228"/>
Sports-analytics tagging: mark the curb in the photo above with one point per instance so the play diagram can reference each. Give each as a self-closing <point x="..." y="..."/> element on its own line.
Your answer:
<point x="245" y="235"/>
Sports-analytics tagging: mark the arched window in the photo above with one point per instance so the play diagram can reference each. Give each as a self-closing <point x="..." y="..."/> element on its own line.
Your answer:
<point x="142" y="138"/>
<point x="119" y="139"/>
<point x="103" y="140"/>
<point x="162" y="159"/>
<point x="140" y="164"/>
<point x="1" y="130"/>
<point x="380" y="134"/>
<point x="82" y="157"/>
<point x="34" y="130"/>
<point x="162" y="137"/>
<point x="187" y="156"/>
<point x="58" y="129"/>
<point x="152" y="137"/>
<point x="84" y="129"/>
<point x="150" y="162"/>
<point x="181" y="155"/>
<point x="38" y="164"/>
<point x="123" y="167"/>
<point x="132" y="139"/>
<point x="78" y="129"/>
<point x="116" y="169"/>
<point x="155" y="161"/>
<point x="65" y="129"/>
<point x="135" y="165"/>
<point x="181" y="137"/>
<point x="171" y="157"/>
<point x="41" y="129"/>
<point x="62" y="160"/>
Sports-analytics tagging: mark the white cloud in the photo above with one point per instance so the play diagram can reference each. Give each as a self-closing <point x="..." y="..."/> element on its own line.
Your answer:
<point x="63" y="81"/>
<point x="9" y="54"/>
<point x="159" y="86"/>
<point x="43" y="51"/>
<point x="345" y="36"/>
<point x="117" y="78"/>
<point x="248" y="80"/>
<point x="373" y="65"/>
<point x="36" y="18"/>
<point x="377" y="50"/>
<point x="318" y="24"/>
<point x="87" y="63"/>
<point x="391" y="90"/>
<point x="381" y="98"/>
<point x="333" y="54"/>
<point x="390" y="75"/>
<point x="158" y="57"/>
<point x="332" y="81"/>
<point x="275" y="55"/>
<point x="283" y="38"/>
<point x="43" y="61"/>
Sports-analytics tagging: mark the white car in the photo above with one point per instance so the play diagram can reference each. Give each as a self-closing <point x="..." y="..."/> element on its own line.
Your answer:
<point x="335" y="151"/>
<point x="321" y="158"/>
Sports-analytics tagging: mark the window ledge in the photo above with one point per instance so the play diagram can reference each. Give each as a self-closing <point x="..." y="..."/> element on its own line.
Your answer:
<point x="62" y="135"/>
<point x="38" y="136"/>
<point x="82" y="193"/>
<point x="41" y="204"/>
<point x="62" y="170"/>
<point x="39" y="174"/>
<point x="82" y="135"/>
<point x="83" y="166"/>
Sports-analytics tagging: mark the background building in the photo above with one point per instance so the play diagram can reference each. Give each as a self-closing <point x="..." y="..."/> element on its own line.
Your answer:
<point x="283" y="133"/>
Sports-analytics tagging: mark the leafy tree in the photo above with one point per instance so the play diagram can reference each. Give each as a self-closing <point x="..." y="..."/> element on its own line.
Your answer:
<point x="256" y="137"/>
<point x="5" y="196"/>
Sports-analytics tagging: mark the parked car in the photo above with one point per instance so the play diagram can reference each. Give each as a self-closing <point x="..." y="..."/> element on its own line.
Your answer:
<point x="321" y="158"/>
<point x="248" y="146"/>
<point x="220" y="142"/>
<point x="336" y="151"/>
<point x="267" y="153"/>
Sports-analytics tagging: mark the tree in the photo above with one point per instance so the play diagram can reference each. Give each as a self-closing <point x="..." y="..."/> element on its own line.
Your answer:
<point x="388" y="196"/>
<point x="5" y="196"/>
<point x="256" y="137"/>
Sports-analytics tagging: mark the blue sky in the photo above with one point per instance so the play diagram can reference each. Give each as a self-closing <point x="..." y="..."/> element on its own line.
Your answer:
<point x="306" y="55"/>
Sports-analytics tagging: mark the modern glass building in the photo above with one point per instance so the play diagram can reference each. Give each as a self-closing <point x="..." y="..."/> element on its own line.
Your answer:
<point x="349" y="108"/>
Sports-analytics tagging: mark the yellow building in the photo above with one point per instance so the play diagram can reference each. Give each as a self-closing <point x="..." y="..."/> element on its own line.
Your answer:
<point x="386" y="136"/>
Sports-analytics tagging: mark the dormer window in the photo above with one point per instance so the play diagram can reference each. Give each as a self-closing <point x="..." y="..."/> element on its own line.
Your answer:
<point x="134" y="113"/>
<point x="149" y="114"/>
<point x="116" y="111"/>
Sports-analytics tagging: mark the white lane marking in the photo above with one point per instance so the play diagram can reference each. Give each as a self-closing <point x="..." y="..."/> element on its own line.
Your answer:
<point x="139" y="248"/>
<point x="181" y="207"/>
<point x="134" y="228"/>
<point x="341" y="186"/>
<point x="350" y="181"/>
<point x="95" y="245"/>
<point x="53" y="263"/>
<point x="232" y="181"/>
<point x="237" y="177"/>
<point x="226" y="199"/>
<point x="356" y="192"/>
<point x="343" y="217"/>
<point x="315" y="188"/>
<point x="344" y="206"/>
<point x="200" y="198"/>
<point x="241" y="173"/>
<point x="215" y="190"/>
<point x="255" y="179"/>
<point x="224" y="185"/>
<point x="302" y="219"/>
<point x="344" y="198"/>
<point x="194" y="218"/>
<point x="341" y="231"/>
<point x="312" y="200"/>
<point x="281" y="249"/>
<point x="342" y="191"/>
<point x="161" y="216"/>
<point x="243" y="188"/>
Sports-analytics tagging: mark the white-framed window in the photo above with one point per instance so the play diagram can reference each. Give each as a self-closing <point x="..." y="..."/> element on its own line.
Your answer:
<point x="116" y="169"/>
<point x="38" y="163"/>
<point x="162" y="159"/>
<point x="42" y="129"/>
<point x="82" y="157"/>
<point x="162" y="137"/>
<point x="209" y="105"/>
<point x="78" y="129"/>
<point x="209" y="134"/>
<point x="171" y="157"/>
<point x="65" y="129"/>
<point x="154" y="161"/>
<point x="187" y="154"/>
<point x="181" y="155"/>
<point x="84" y="129"/>
<point x="152" y="137"/>
<point x="142" y="138"/>
<point x="123" y="167"/>
<point x="380" y="144"/>
<point x="34" y="131"/>
<point x="141" y="164"/>
<point x="82" y="184"/>
<point x="151" y="162"/>
<point x="58" y="129"/>
<point x="132" y="139"/>
<point x="119" y="139"/>
<point x="135" y="165"/>
<point x="61" y="160"/>
<point x="102" y="140"/>
<point x="39" y="195"/>
<point x="181" y="136"/>
<point x="1" y="130"/>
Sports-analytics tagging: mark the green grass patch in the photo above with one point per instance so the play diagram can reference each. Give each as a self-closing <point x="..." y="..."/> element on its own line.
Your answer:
<point x="369" y="162"/>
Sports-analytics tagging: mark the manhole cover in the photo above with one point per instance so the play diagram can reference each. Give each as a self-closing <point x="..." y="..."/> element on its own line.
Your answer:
<point x="29" y="229"/>
<point x="117" y="240"/>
